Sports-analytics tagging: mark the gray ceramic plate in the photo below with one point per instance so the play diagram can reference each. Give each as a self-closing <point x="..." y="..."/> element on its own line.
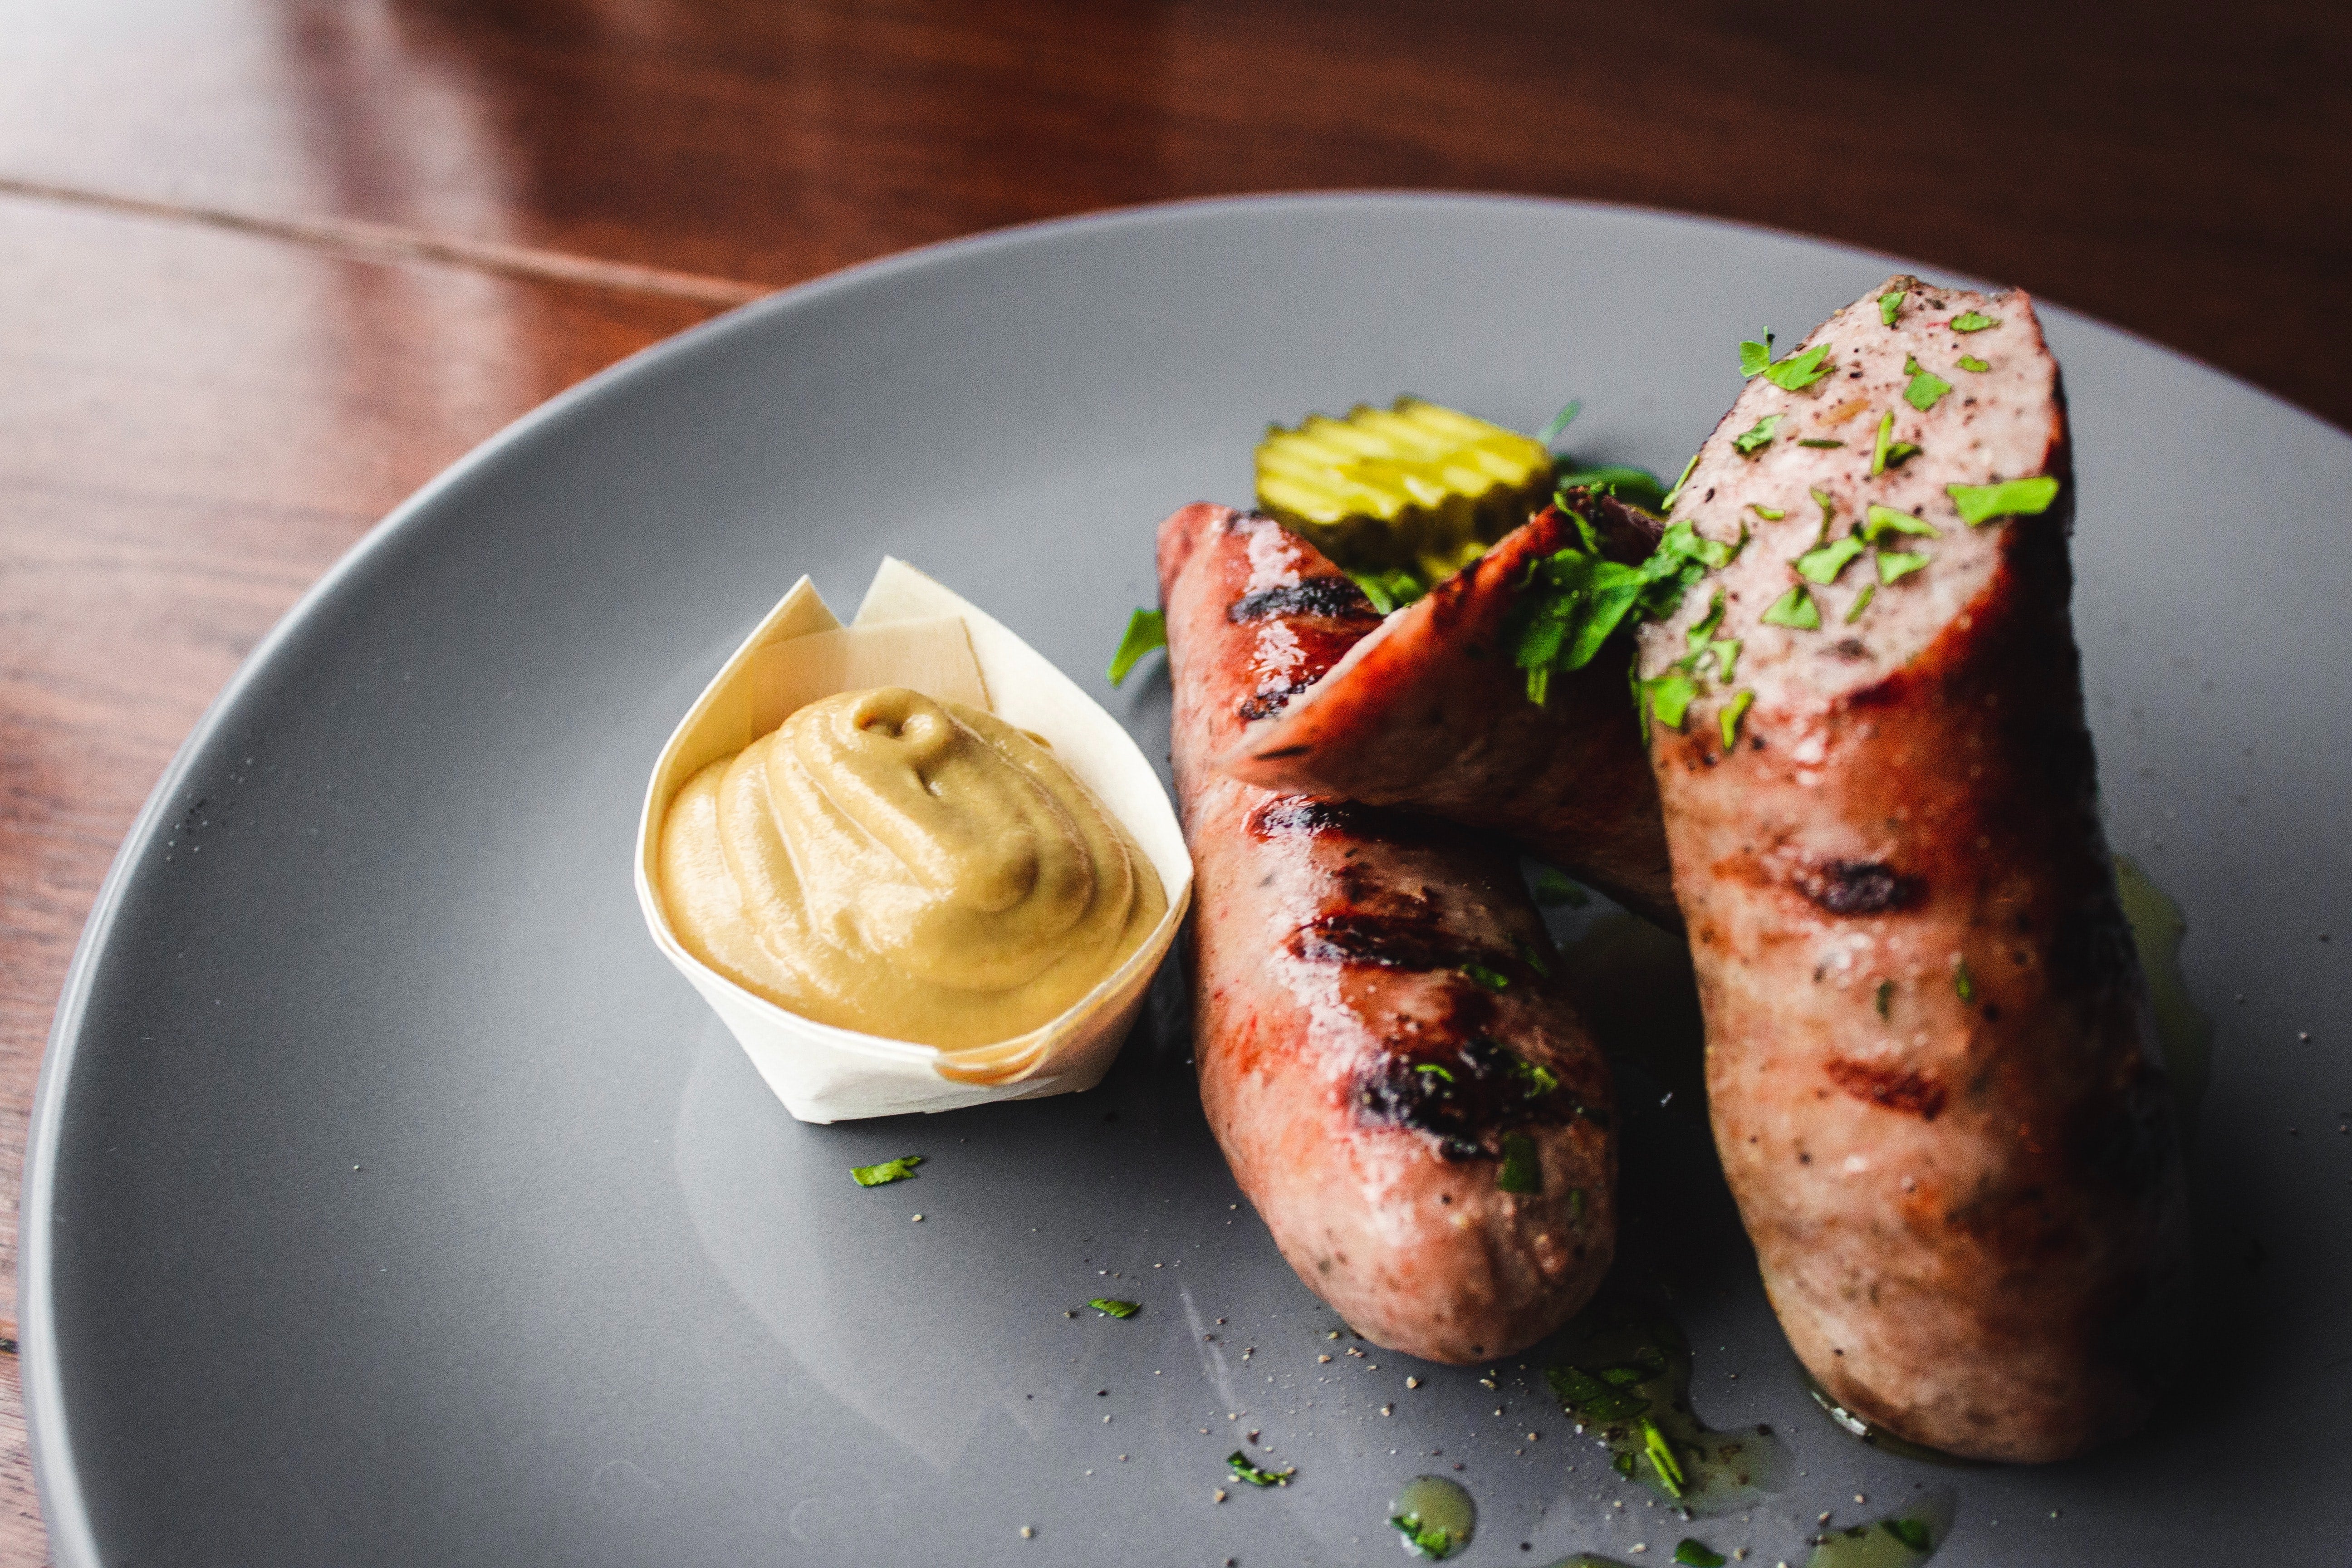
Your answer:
<point x="391" y="1199"/>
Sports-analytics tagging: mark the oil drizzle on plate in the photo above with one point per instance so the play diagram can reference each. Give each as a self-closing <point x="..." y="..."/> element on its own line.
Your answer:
<point x="1900" y="1539"/>
<point x="1435" y="1516"/>
<point x="1625" y="1379"/>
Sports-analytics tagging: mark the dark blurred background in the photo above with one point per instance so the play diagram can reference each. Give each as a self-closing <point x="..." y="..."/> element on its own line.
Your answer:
<point x="266" y="267"/>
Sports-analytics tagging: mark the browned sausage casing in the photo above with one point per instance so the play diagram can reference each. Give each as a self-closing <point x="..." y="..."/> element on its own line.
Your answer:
<point x="1364" y="1083"/>
<point x="1430" y="713"/>
<point x="1931" y="1056"/>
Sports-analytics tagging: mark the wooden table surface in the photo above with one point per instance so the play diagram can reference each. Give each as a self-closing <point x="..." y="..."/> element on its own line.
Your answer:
<point x="266" y="267"/>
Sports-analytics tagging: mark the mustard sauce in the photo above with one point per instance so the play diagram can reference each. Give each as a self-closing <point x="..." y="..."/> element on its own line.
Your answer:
<point x="906" y="867"/>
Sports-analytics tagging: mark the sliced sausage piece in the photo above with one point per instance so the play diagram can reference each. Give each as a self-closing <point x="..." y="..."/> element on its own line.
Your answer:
<point x="1411" y="1106"/>
<point x="1430" y="713"/>
<point x="1931" y="1056"/>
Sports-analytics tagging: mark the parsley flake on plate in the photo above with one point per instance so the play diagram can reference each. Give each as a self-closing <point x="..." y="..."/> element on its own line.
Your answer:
<point x="1796" y="609"/>
<point x="1693" y="1553"/>
<point x="1973" y="322"/>
<point x="1912" y="1532"/>
<point x="1970" y="363"/>
<point x="1755" y="358"/>
<point x="1492" y="979"/>
<point x="1388" y="591"/>
<point x="1426" y="1540"/>
<point x="1889" y="307"/>
<point x="1561" y="420"/>
<point x="1768" y="513"/>
<point x="1238" y="1462"/>
<point x="1146" y="630"/>
<point x="1821" y="442"/>
<point x="1799" y="371"/>
<point x="1964" y="984"/>
<point x="888" y="1171"/>
<point x="1112" y="1306"/>
<point x="1862" y="601"/>
<point x="2012" y="498"/>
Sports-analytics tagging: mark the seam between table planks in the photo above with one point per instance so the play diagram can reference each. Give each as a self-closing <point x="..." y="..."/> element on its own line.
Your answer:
<point x="389" y="242"/>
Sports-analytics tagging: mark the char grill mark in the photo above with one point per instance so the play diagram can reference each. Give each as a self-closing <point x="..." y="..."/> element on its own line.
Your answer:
<point x="1896" y="1088"/>
<point x="1332" y="598"/>
<point x="1466" y="1099"/>
<point x="1388" y="941"/>
<point x="1858" y="887"/>
<point x="1266" y="704"/>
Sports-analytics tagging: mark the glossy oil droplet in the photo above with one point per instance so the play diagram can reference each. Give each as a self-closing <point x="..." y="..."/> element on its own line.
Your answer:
<point x="1434" y="1516"/>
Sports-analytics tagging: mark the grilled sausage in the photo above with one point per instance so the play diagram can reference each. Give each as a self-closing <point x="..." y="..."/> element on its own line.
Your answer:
<point x="1411" y="1106"/>
<point x="1930" y="1054"/>
<point x="1430" y="713"/>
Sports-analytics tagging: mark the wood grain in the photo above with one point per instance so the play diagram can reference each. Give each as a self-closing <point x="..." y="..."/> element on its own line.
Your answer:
<point x="264" y="267"/>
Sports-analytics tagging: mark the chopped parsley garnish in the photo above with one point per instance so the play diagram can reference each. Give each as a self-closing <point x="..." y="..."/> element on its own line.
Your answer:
<point x="1757" y="436"/>
<point x="1912" y="1532"/>
<point x="2010" y="498"/>
<point x="1529" y="956"/>
<point x="1768" y="513"/>
<point x="1896" y="564"/>
<point x="1822" y="442"/>
<point x="1727" y="657"/>
<point x="1970" y="363"/>
<point x="887" y="1172"/>
<point x="1889" y="306"/>
<point x="1799" y="371"/>
<point x="1862" y="601"/>
<point x="1391" y="590"/>
<point x="1561" y="420"/>
<point x="1662" y="1459"/>
<point x="1668" y="697"/>
<point x="1795" y="608"/>
<point x="1926" y="387"/>
<point x="1964" y="983"/>
<point x="1540" y="1080"/>
<point x="1886" y="997"/>
<point x="1112" y="1306"/>
<point x="1823" y="563"/>
<point x="1492" y="979"/>
<point x="1697" y="1553"/>
<point x="1555" y="888"/>
<point x="1733" y="712"/>
<point x="1886" y="452"/>
<point x="1794" y="374"/>
<point x="1705" y="628"/>
<point x="1434" y="1070"/>
<point x="1572" y="601"/>
<point x="1639" y="486"/>
<point x="1146" y="630"/>
<point x="1822" y="499"/>
<point x="1426" y="1540"/>
<point x="1522" y="1168"/>
<point x="1974" y="322"/>
<point x="1667" y="504"/>
<point x="1238" y="1462"/>
<point x="1881" y="521"/>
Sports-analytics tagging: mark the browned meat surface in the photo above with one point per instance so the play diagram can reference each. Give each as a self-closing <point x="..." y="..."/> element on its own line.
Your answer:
<point x="1929" y="1046"/>
<point x="1381" y="1056"/>
<point x="1430" y="713"/>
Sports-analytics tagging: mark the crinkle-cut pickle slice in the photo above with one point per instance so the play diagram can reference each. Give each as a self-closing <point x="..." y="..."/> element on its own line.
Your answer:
<point x="1417" y="486"/>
